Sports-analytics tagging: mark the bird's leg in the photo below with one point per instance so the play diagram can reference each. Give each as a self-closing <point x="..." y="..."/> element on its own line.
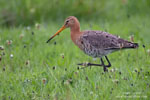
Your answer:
<point x="109" y="64"/>
<point x="105" y="68"/>
<point x="102" y="64"/>
<point x="90" y="64"/>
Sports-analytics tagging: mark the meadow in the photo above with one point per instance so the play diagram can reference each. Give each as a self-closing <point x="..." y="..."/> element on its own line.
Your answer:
<point x="30" y="68"/>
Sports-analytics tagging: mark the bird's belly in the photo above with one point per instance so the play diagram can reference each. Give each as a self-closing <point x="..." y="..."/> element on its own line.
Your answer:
<point x="91" y="50"/>
<point x="96" y="52"/>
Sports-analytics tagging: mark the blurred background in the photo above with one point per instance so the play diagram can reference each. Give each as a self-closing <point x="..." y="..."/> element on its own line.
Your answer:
<point x="29" y="12"/>
<point x="32" y="69"/>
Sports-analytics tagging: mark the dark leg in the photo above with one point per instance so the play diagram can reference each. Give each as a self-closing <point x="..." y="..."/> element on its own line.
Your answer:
<point x="89" y="65"/>
<point x="102" y="64"/>
<point x="109" y="64"/>
<point x="105" y="67"/>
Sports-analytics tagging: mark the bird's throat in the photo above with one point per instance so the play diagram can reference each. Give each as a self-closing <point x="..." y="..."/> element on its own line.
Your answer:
<point x="75" y="29"/>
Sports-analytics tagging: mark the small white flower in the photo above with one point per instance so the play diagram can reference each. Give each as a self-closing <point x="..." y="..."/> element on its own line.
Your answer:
<point x="118" y="36"/>
<point x="11" y="55"/>
<point x="112" y="70"/>
<point x="9" y="42"/>
<point x="44" y="80"/>
<point x="91" y="92"/>
<point x="62" y="55"/>
<point x="37" y="25"/>
<point x="28" y="28"/>
<point x="131" y="38"/>
<point x="27" y="62"/>
<point x="115" y="81"/>
<point x="148" y="51"/>
<point x="1" y="47"/>
<point x="21" y="35"/>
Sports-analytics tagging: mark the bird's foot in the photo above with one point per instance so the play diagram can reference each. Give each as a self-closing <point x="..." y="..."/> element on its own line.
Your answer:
<point x="89" y="65"/>
<point x="84" y="64"/>
<point x="105" y="69"/>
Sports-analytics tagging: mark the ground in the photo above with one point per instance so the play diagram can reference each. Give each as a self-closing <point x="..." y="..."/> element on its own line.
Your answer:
<point x="32" y="69"/>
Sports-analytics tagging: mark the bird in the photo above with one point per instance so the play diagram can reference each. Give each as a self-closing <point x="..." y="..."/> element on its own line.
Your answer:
<point x="97" y="44"/>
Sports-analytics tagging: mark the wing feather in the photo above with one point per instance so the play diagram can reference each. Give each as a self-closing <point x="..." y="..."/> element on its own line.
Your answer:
<point x="105" y="41"/>
<point x="100" y="39"/>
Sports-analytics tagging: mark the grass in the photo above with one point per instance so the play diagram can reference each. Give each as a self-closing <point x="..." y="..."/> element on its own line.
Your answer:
<point x="32" y="69"/>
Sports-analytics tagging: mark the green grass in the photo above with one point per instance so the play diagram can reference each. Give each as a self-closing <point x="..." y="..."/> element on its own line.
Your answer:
<point x="34" y="61"/>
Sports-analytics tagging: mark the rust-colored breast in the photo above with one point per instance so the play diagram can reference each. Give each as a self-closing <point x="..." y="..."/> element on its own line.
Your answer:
<point x="76" y="39"/>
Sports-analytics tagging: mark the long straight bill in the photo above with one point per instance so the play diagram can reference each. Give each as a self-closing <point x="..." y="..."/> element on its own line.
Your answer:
<point x="61" y="29"/>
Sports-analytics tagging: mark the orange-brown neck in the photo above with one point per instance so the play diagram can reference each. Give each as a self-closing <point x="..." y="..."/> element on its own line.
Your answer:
<point x="75" y="28"/>
<point x="75" y="34"/>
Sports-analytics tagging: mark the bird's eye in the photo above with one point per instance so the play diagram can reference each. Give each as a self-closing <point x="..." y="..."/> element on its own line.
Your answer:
<point x="67" y="21"/>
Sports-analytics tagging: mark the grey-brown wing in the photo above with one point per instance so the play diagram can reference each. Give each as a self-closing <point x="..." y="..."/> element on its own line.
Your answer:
<point x="100" y="40"/>
<point x="104" y="40"/>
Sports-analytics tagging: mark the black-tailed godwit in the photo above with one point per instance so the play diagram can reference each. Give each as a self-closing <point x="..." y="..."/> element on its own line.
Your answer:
<point x="97" y="44"/>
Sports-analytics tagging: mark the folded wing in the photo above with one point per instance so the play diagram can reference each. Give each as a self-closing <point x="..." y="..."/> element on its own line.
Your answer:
<point x="105" y="41"/>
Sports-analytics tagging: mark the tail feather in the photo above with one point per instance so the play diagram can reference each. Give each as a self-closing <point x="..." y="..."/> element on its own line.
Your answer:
<point x="131" y="45"/>
<point x="128" y="45"/>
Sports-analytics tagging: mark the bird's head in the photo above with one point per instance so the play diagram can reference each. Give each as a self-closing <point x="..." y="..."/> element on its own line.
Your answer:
<point x="70" y="22"/>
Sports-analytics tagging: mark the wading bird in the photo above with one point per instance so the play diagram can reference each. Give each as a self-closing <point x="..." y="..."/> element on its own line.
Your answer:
<point x="94" y="43"/>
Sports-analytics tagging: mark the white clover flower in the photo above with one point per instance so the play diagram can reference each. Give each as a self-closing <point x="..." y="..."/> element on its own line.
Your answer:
<point x="11" y="55"/>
